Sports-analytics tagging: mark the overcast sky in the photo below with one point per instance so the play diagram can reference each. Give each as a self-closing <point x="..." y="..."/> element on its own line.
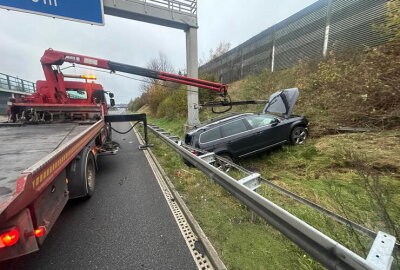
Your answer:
<point x="24" y="37"/>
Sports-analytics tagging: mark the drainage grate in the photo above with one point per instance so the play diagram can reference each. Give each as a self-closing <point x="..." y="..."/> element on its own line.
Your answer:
<point x="195" y="246"/>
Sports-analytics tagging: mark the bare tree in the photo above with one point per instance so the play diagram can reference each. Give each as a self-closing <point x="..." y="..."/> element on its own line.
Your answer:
<point x="221" y="49"/>
<point x="161" y="63"/>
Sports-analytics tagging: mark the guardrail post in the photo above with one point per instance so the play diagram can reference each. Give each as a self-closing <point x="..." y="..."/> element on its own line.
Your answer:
<point x="380" y="254"/>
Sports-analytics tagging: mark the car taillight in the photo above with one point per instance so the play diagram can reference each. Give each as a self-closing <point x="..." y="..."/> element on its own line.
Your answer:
<point x="195" y="153"/>
<point x="39" y="232"/>
<point x="9" y="238"/>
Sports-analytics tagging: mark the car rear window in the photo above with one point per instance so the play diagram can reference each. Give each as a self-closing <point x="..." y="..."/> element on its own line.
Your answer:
<point x="233" y="128"/>
<point x="210" y="135"/>
<point x="257" y="121"/>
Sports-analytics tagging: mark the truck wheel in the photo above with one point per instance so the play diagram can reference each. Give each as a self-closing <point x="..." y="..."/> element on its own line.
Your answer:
<point x="81" y="174"/>
<point x="109" y="132"/>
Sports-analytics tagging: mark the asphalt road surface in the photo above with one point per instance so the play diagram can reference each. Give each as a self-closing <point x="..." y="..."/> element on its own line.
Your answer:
<point x="127" y="224"/>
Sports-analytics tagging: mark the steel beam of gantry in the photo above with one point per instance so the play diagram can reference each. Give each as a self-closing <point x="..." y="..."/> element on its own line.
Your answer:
<point x="175" y="14"/>
<point x="180" y="14"/>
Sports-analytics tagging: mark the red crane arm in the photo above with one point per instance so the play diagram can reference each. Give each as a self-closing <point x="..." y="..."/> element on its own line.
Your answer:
<point x="52" y="57"/>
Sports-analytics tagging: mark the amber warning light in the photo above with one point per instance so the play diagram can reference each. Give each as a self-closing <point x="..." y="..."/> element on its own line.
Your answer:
<point x="87" y="77"/>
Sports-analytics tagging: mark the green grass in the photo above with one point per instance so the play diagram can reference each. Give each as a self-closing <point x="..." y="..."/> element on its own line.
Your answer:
<point x="175" y="126"/>
<point x="354" y="175"/>
<point x="332" y="171"/>
<point x="241" y="242"/>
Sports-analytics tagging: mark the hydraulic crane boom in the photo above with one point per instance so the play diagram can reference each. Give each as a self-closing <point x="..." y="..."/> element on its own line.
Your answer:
<point x="52" y="57"/>
<point x="76" y="99"/>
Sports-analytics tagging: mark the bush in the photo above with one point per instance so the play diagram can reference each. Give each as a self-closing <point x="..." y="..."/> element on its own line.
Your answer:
<point x="392" y="24"/>
<point x="175" y="105"/>
<point x="136" y="104"/>
<point x="155" y="95"/>
<point x="353" y="88"/>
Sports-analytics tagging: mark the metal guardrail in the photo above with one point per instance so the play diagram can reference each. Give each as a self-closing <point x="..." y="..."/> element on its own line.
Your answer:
<point x="186" y="6"/>
<point x="16" y="84"/>
<point x="325" y="250"/>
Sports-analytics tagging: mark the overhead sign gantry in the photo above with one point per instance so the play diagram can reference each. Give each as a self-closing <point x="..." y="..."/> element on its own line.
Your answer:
<point x="87" y="11"/>
<point x="179" y="14"/>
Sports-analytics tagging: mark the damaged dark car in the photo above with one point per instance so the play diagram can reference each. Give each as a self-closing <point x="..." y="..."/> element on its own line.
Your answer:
<point x="246" y="134"/>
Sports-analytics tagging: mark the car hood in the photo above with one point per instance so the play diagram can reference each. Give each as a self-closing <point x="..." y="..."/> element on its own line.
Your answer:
<point x="282" y="102"/>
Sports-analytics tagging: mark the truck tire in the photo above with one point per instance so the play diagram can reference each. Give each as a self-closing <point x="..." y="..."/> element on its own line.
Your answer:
<point x="81" y="175"/>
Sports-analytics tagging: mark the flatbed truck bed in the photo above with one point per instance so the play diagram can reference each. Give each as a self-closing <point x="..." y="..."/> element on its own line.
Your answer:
<point x="24" y="146"/>
<point x="44" y="165"/>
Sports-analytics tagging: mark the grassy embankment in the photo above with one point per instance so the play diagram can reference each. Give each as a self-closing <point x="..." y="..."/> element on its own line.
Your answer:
<point x="355" y="175"/>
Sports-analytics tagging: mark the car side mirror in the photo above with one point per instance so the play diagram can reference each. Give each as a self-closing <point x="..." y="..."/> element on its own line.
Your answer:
<point x="111" y="95"/>
<point x="112" y="102"/>
<point x="275" y="122"/>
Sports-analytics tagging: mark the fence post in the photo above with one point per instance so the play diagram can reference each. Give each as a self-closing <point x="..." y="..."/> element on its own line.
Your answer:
<point x="241" y="62"/>
<point x="8" y="82"/>
<point x="327" y="28"/>
<point x="273" y="50"/>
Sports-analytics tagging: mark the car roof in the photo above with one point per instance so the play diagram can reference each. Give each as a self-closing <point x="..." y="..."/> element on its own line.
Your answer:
<point x="218" y="121"/>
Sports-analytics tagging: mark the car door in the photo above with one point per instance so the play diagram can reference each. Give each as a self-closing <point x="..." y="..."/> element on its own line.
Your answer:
<point x="237" y="137"/>
<point x="266" y="131"/>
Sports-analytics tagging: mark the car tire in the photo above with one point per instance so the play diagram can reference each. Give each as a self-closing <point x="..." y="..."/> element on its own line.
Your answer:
<point x="298" y="135"/>
<point x="226" y="156"/>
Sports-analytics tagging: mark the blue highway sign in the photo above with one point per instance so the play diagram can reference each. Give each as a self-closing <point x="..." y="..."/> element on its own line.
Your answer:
<point x="88" y="11"/>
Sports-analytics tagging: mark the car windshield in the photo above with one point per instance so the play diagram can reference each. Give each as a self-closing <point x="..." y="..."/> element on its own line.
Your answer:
<point x="257" y="121"/>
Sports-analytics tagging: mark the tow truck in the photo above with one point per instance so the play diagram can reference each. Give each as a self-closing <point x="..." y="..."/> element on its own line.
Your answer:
<point x="51" y="143"/>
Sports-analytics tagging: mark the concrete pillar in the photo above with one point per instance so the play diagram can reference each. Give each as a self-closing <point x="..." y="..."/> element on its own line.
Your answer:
<point x="192" y="71"/>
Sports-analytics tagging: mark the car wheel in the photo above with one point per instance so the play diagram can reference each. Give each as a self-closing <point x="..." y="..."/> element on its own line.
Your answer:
<point x="298" y="135"/>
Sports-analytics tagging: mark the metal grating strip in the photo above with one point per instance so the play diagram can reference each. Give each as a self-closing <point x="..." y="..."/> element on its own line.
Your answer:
<point x="195" y="247"/>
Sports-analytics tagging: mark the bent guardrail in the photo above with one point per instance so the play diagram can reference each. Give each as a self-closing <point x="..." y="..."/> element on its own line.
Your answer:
<point x="325" y="250"/>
